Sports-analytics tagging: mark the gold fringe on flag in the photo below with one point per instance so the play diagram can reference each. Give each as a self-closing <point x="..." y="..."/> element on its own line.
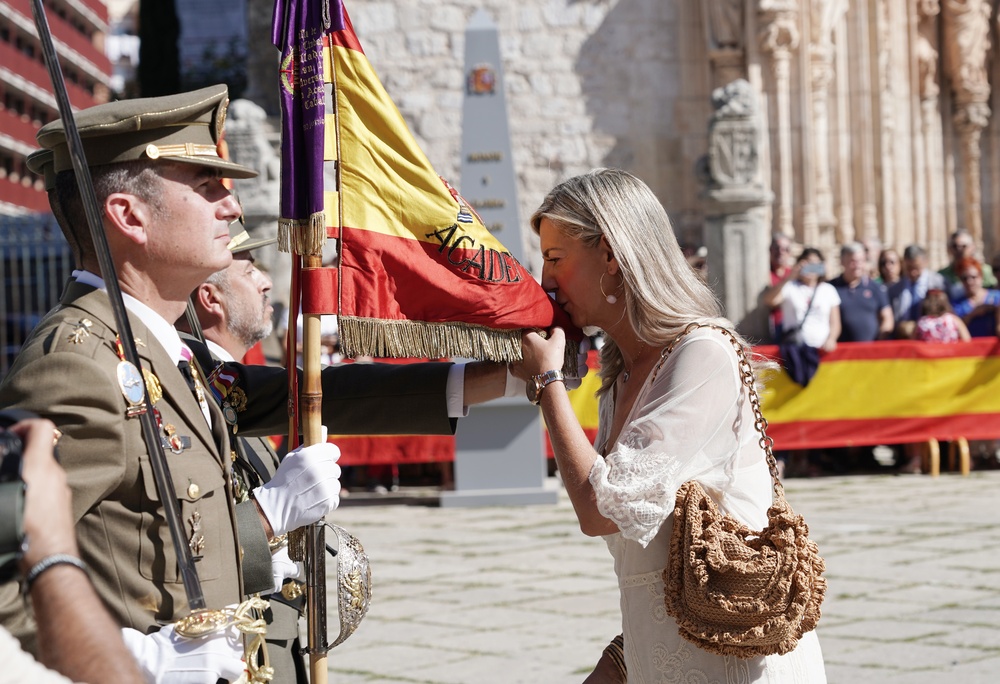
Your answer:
<point x="418" y="339"/>
<point x="304" y="237"/>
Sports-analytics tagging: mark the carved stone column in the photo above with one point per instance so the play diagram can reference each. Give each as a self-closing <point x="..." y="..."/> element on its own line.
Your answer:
<point x="737" y="234"/>
<point x="966" y="25"/>
<point x="824" y="17"/>
<point x="779" y="37"/>
<point x="927" y="56"/>
<point x="844" y="171"/>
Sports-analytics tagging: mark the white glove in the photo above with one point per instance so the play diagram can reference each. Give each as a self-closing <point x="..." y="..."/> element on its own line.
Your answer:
<point x="283" y="567"/>
<point x="305" y="487"/>
<point x="166" y="658"/>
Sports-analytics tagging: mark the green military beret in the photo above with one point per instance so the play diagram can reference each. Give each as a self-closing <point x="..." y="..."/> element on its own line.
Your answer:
<point x="179" y="128"/>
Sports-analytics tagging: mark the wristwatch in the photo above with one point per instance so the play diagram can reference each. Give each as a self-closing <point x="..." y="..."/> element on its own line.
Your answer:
<point x="536" y="383"/>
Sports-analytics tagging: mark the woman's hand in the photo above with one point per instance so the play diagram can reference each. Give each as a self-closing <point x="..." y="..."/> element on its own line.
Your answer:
<point x="540" y="354"/>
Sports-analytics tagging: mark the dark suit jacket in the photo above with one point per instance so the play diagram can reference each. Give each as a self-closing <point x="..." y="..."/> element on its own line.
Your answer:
<point x="70" y="378"/>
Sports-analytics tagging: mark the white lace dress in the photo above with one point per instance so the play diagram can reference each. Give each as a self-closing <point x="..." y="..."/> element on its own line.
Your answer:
<point x="692" y="421"/>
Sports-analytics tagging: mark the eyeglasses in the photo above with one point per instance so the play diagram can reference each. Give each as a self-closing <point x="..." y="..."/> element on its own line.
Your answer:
<point x="961" y="245"/>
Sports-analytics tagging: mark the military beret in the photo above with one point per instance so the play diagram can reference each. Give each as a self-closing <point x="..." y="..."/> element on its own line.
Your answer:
<point x="179" y="128"/>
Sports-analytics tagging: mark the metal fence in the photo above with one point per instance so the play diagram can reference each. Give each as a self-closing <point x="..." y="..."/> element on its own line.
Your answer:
<point x="35" y="262"/>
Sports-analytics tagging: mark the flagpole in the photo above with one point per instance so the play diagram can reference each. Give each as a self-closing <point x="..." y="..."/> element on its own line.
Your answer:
<point x="311" y="423"/>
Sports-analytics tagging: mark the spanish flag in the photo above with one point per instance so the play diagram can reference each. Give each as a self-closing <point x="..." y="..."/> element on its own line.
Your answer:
<point x="418" y="274"/>
<point x="890" y="392"/>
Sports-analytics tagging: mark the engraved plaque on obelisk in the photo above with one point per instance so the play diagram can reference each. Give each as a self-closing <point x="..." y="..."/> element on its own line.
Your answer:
<point x="488" y="181"/>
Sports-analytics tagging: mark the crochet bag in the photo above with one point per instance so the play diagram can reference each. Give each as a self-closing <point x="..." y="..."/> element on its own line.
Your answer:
<point x="734" y="590"/>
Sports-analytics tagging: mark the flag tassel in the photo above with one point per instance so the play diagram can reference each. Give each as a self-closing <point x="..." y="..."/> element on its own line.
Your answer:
<point x="303" y="236"/>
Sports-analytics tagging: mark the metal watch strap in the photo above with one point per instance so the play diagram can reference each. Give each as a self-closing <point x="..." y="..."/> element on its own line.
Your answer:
<point x="543" y="380"/>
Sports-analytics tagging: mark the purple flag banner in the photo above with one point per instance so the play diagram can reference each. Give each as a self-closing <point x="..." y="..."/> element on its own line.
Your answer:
<point x="298" y="30"/>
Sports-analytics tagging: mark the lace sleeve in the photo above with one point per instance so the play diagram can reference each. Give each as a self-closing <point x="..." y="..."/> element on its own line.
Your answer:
<point x="690" y="422"/>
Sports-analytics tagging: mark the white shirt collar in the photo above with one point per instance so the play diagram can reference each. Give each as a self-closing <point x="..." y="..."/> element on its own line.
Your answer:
<point x="219" y="352"/>
<point x="163" y="331"/>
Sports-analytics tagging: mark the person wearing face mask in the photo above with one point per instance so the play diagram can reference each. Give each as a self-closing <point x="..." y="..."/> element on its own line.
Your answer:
<point x="810" y="306"/>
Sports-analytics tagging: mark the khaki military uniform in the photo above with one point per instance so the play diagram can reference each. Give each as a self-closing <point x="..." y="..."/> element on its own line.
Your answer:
<point x="66" y="372"/>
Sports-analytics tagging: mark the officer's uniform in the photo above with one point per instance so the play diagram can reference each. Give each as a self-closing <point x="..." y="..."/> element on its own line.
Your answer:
<point x="69" y="371"/>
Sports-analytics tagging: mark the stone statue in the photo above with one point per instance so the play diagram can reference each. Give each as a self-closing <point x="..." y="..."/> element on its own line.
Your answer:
<point x="966" y="43"/>
<point x="724" y="19"/>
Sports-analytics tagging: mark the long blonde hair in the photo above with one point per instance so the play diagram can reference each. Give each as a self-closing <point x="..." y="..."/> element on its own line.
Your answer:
<point x="662" y="292"/>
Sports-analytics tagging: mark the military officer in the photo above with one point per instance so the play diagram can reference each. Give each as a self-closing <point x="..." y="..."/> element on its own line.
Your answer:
<point x="166" y="214"/>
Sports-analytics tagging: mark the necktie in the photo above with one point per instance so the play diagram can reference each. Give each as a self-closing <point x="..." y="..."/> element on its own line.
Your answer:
<point x="194" y="383"/>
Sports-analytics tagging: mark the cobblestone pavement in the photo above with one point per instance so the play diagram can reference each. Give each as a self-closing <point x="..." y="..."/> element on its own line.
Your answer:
<point x="519" y="594"/>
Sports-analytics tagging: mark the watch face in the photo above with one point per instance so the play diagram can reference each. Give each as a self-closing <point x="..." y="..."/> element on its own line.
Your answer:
<point x="531" y="390"/>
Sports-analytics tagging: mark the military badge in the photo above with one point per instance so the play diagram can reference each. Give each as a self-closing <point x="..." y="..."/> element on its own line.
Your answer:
<point x="220" y="119"/>
<point x="81" y="331"/>
<point x="171" y="440"/>
<point x="132" y="387"/>
<point x="197" y="541"/>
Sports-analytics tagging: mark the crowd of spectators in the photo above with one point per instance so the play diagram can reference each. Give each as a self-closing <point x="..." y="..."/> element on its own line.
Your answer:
<point x="879" y="295"/>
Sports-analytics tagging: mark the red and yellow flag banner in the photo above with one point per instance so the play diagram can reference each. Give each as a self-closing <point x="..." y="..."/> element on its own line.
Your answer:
<point x="888" y="393"/>
<point x="418" y="275"/>
<point x="868" y="393"/>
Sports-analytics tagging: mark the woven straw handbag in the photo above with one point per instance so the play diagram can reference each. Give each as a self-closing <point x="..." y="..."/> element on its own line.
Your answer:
<point x="734" y="590"/>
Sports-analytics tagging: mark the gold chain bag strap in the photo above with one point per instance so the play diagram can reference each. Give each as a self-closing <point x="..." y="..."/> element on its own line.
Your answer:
<point x="733" y="590"/>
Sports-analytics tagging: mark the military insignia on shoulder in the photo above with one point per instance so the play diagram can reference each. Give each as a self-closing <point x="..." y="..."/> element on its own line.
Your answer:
<point x="132" y="387"/>
<point x="153" y="387"/>
<point x="81" y="331"/>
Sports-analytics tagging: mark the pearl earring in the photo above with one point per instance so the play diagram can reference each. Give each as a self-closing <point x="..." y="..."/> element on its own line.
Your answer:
<point x="611" y="298"/>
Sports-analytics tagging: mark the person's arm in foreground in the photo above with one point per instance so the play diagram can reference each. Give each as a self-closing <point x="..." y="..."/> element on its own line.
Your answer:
<point x="76" y="635"/>
<point x="574" y="454"/>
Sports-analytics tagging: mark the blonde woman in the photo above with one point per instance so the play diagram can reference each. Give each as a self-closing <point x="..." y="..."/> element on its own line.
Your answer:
<point x="612" y="261"/>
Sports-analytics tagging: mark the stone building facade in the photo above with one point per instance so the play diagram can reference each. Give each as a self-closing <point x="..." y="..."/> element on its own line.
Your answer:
<point x="873" y="117"/>
<point x="877" y="112"/>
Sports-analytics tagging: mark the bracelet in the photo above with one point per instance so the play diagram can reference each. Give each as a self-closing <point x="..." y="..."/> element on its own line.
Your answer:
<point x="615" y="651"/>
<point x="50" y="562"/>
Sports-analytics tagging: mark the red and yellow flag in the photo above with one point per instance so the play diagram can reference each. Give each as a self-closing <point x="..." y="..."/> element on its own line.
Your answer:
<point x="418" y="274"/>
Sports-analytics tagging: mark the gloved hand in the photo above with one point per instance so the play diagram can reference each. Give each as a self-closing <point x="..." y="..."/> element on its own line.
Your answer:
<point x="283" y="567"/>
<point x="166" y="658"/>
<point x="305" y="487"/>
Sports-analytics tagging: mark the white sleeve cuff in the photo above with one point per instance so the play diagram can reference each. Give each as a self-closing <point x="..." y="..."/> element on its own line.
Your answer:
<point x="455" y="391"/>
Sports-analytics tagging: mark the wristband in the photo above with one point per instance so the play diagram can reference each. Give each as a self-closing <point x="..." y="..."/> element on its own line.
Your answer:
<point x="50" y="562"/>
